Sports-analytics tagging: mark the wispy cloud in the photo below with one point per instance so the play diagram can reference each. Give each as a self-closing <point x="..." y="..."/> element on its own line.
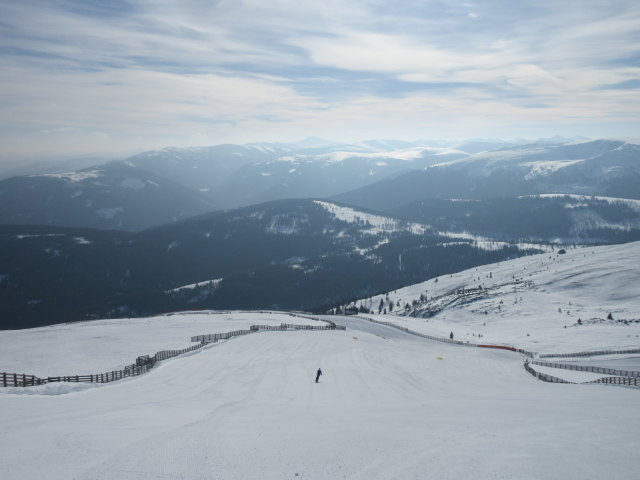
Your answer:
<point x="137" y="74"/>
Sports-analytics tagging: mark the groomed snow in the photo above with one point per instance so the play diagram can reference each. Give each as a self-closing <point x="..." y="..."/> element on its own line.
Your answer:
<point x="528" y="301"/>
<point x="389" y="405"/>
<point x="104" y="345"/>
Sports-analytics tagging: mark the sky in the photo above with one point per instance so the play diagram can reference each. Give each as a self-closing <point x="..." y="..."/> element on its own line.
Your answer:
<point x="81" y="77"/>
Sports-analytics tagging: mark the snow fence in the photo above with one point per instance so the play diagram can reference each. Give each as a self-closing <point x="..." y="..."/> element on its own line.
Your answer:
<point x="589" y="368"/>
<point x="144" y="363"/>
<point x="632" y="380"/>
<point x="590" y="353"/>
<point x="624" y="377"/>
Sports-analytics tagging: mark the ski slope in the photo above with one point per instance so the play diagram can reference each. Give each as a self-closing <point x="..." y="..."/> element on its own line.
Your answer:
<point x="531" y="302"/>
<point x="102" y="345"/>
<point x="389" y="405"/>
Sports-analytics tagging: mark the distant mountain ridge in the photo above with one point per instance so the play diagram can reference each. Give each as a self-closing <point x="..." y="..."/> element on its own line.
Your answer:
<point x="200" y="179"/>
<point x="381" y="175"/>
<point x="115" y="195"/>
<point x="603" y="167"/>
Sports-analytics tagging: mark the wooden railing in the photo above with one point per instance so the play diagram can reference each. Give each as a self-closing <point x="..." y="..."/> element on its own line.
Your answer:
<point x="628" y="381"/>
<point x="588" y="368"/>
<point x="589" y="354"/>
<point x="214" y="337"/>
<point x="145" y="363"/>
<point x="631" y="382"/>
<point x="20" y="380"/>
<point x="543" y="376"/>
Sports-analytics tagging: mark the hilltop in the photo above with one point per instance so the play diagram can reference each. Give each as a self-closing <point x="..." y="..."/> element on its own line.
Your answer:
<point x="547" y="302"/>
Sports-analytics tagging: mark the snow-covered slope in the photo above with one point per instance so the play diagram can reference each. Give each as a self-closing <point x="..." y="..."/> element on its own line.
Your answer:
<point x="105" y="345"/>
<point x="389" y="405"/>
<point x="547" y="303"/>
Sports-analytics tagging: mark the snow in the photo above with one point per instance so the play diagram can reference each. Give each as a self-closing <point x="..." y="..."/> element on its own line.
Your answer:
<point x="488" y="244"/>
<point x="104" y="345"/>
<point x="30" y="235"/>
<point x="209" y="283"/>
<point x="172" y="245"/>
<point x="405" y="154"/>
<point x="539" y="169"/>
<point x="73" y="176"/>
<point x="109" y="212"/>
<point x="82" y="241"/>
<point x="379" y="223"/>
<point x="286" y="224"/>
<point x="527" y="302"/>
<point x="635" y="204"/>
<point x="388" y="405"/>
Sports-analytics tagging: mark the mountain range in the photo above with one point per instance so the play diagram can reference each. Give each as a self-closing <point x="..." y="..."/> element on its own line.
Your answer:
<point x="603" y="167"/>
<point x="149" y="234"/>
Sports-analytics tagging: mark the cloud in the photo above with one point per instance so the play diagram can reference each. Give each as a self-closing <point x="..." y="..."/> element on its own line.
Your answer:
<point x="142" y="73"/>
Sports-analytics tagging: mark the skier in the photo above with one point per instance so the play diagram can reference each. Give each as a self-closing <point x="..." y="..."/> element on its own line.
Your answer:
<point x="318" y="373"/>
<point x="451" y="335"/>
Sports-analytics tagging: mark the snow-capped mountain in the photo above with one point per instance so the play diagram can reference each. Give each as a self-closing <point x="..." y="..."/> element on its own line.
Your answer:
<point x="302" y="175"/>
<point x="381" y="175"/>
<point x="204" y="169"/>
<point x="115" y="195"/>
<point x="604" y="167"/>
<point x="190" y="181"/>
<point x="239" y="175"/>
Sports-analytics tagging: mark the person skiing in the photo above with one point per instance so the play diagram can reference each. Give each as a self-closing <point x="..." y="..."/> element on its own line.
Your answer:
<point x="451" y="335"/>
<point x="318" y="373"/>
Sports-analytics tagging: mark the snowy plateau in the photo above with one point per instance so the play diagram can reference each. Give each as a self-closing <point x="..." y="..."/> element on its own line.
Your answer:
<point x="389" y="405"/>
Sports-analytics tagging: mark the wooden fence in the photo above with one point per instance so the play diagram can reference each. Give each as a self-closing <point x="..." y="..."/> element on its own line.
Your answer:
<point x="589" y="354"/>
<point x="20" y="380"/>
<point x="214" y="337"/>
<point x="628" y="381"/>
<point x="543" y="376"/>
<point x="632" y="379"/>
<point x="631" y="382"/>
<point x="145" y="363"/>
<point x="589" y="368"/>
